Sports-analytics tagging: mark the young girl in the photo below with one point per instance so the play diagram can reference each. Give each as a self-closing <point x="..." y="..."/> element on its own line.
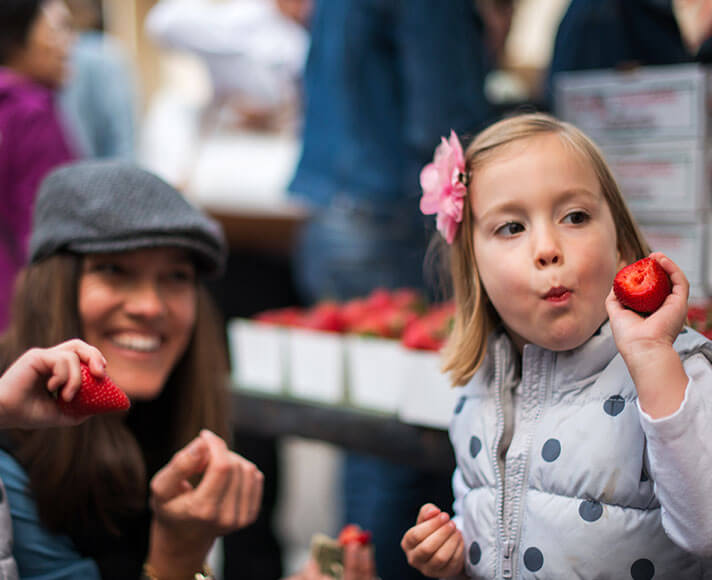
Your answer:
<point x="582" y="436"/>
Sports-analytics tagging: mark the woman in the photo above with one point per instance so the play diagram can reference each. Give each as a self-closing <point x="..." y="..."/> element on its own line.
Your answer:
<point x="35" y="39"/>
<point x="116" y="258"/>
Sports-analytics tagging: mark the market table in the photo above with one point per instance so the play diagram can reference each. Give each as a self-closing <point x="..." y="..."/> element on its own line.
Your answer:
<point x="371" y="433"/>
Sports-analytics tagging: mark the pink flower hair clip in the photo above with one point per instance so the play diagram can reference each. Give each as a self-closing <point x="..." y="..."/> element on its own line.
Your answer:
<point x="444" y="184"/>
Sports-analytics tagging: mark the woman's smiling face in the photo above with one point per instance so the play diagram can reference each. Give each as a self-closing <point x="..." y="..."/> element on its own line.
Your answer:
<point x="139" y="309"/>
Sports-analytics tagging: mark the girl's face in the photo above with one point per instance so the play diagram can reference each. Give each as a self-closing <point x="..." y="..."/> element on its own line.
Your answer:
<point x="139" y="308"/>
<point x="45" y="55"/>
<point x="545" y="242"/>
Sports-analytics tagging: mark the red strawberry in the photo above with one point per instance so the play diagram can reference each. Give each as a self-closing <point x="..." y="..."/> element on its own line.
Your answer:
<point x="419" y="336"/>
<point x="289" y="316"/>
<point x="642" y="286"/>
<point x="95" y="396"/>
<point x="323" y="316"/>
<point x="352" y="533"/>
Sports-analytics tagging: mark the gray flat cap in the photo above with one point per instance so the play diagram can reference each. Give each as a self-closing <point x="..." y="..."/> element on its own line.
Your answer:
<point x="115" y="206"/>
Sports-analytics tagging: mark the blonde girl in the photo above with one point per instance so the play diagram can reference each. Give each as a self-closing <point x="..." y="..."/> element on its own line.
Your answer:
<point x="582" y="436"/>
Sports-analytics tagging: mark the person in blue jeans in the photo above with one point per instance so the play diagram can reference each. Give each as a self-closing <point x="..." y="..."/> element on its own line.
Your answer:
<point x="384" y="80"/>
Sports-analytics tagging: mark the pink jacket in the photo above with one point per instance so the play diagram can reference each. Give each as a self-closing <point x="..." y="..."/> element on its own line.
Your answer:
<point x="32" y="141"/>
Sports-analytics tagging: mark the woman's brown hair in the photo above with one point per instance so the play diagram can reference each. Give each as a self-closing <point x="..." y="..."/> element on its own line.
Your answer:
<point x="98" y="470"/>
<point x="475" y="317"/>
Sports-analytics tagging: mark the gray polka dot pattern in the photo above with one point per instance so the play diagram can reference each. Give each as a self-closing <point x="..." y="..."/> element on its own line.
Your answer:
<point x="460" y="405"/>
<point x="533" y="559"/>
<point x="551" y="450"/>
<point x="642" y="569"/>
<point x="590" y="510"/>
<point x="614" y="405"/>
<point x="475" y="446"/>
<point x="475" y="553"/>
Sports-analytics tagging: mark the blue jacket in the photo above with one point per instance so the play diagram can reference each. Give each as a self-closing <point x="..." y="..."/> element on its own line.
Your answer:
<point x="40" y="554"/>
<point x="384" y="80"/>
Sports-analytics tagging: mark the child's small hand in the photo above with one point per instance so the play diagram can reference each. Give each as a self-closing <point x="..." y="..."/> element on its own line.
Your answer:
<point x="645" y="343"/>
<point x="633" y="331"/>
<point x="24" y="401"/>
<point x="434" y="546"/>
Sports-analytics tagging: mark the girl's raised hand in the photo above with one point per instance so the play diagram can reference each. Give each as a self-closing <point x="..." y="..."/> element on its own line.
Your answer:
<point x="633" y="331"/>
<point x="187" y="518"/>
<point x="24" y="400"/>
<point x="645" y="343"/>
<point x="434" y="546"/>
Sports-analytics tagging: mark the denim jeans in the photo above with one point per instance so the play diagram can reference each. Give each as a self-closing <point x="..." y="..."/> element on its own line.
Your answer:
<point x="354" y="246"/>
<point x="347" y="250"/>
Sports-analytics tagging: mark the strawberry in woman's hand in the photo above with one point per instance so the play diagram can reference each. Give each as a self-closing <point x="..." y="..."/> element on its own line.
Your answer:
<point x="642" y="286"/>
<point x="94" y="396"/>
<point x="352" y="533"/>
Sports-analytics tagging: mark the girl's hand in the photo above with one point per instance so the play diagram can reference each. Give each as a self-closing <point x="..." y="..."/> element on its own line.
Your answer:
<point x="645" y="343"/>
<point x="633" y="331"/>
<point x="187" y="519"/>
<point x="24" y="400"/>
<point x="434" y="546"/>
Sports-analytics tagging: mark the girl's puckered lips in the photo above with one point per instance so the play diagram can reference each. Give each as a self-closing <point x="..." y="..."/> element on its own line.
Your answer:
<point x="557" y="294"/>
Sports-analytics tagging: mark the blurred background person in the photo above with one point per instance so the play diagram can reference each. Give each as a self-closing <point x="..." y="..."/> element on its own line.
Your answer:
<point x="597" y="34"/>
<point x="35" y="40"/>
<point x="100" y="97"/>
<point x="253" y="53"/>
<point x="384" y="80"/>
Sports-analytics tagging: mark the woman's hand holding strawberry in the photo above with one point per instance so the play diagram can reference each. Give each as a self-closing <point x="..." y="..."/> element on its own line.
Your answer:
<point x="24" y="399"/>
<point x="434" y="546"/>
<point x="188" y="518"/>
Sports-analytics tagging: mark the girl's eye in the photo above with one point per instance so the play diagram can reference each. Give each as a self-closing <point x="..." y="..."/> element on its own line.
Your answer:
<point x="510" y="229"/>
<point x="576" y="217"/>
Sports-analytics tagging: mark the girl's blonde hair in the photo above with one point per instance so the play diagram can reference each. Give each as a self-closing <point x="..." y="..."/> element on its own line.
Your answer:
<point x="475" y="317"/>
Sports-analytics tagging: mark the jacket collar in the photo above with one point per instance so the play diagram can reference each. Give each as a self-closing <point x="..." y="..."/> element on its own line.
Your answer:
<point x="572" y="369"/>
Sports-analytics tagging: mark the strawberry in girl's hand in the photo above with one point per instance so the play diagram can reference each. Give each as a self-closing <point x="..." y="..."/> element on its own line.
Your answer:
<point x="94" y="396"/>
<point x="642" y="286"/>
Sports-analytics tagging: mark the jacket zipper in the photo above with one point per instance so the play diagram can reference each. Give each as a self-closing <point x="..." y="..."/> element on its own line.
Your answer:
<point x="507" y="560"/>
<point x="507" y="556"/>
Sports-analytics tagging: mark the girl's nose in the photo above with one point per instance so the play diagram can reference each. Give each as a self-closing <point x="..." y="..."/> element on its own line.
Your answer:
<point x="548" y="251"/>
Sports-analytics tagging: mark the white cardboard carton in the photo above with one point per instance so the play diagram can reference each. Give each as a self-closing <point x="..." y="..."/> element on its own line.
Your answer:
<point x="258" y="355"/>
<point x="687" y="245"/>
<point x="374" y="371"/>
<point x="426" y="397"/>
<point x="316" y="365"/>
<point x="668" y="178"/>
<point x="647" y="103"/>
